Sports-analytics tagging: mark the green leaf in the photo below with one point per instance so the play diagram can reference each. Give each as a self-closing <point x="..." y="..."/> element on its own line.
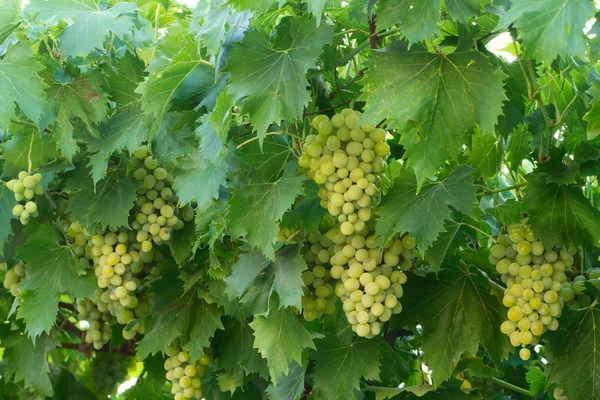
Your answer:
<point x="67" y="385"/>
<point x="22" y="85"/>
<point x="235" y="351"/>
<point x="209" y="23"/>
<point x="551" y="28"/>
<point x="52" y="270"/>
<point x="258" y="6"/>
<point x="267" y="201"/>
<point x="513" y="110"/>
<point x="9" y="9"/>
<point x="445" y="246"/>
<point x="215" y="127"/>
<point x="148" y="389"/>
<point x="307" y="212"/>
<point x="519" y="146"/>
<point x="340" y="366"/>
<point x="486" y="155"/>
<point x="536" y="379"/>
<point x="178" y="314"/>
<point x="280" y="338"/>
<point x="509" y="212"/>
<point x="573" y="354"/>
<point x="461" y="302"/>
<point x="107" y="203"/>
<point x="124" y="79"/>
<point x="593" y="115"/>
<point x="28" y="362"/>
<point x="7" y="202"/>
<point x="92" y="22"/>
<point x="255" y="278"/>
<point x="560" y="213"/>
<point x="26" y="144"/>
<point x="82" y="98"/>
<point x="423" y="214"/>
<point x="126" y="129"/>
<point x="270" y="74"/>
<point x="269" y="160"/>
<point x="290" y="386"/>
<point x="415" y="85"/>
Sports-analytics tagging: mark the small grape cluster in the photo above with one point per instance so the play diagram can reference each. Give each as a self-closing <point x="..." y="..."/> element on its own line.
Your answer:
<point x="156" y="210"/>
<point x="99" y="331"/>
<point x="558" y="394"/>
<point x="13" y="277"/>
<point x="108" y="371"/>
<point x="184" y="374"/>
<point x="371" y="284"/>
<point x="79" y="239"/>
<point x="534" y="276"/>
<point x="572" y="292"/>
<point x="25" y="188"/>
<point x="346" y="161"/>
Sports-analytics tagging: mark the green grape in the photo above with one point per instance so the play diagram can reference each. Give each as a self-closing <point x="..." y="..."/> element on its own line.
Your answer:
<point x="184" y="374"/>
<point x="108" y="371"/>
<point x="13" y="278"/>
<point x="25" y="188"/>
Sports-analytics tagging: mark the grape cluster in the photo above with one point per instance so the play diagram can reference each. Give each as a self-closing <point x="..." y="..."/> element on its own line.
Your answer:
<point x="156" y="210"/>
<point x="13" y="277"/>
<point x="371" y="283"/>
<point x="185" y="374"/>
<point x="26" y="187"/>
<point x="558" y="394"/>
<point x="346" y="161"/>
<point x="79" y="239"/>
<point x="108" y="371"/>
<point x="572" y="292"/>
<point x="99" y="331"/>
<point x="534" y="276"/>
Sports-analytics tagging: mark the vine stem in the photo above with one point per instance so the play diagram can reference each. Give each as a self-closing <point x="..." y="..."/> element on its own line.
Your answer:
<point x="268" y="134"/>
<point x="510" y="386"/>
<point x="156" y="17"/>
<point x="480" y="231"/>
<point x="422" y="375"/>
<point x="487" y="192"/>
<point x="29" y="163"/>
<point x="324" y="110"/>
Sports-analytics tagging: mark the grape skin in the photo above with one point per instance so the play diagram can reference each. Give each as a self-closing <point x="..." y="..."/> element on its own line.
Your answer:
<point x="108" y="371"/>
<point x="184" y="374"/>
<point x="13" y="277"/>
<point x="25" y="188"/>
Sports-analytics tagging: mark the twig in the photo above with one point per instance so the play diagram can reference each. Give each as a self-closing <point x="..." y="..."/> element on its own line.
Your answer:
<point x="268" y="134"/>
<point x="525" y="76"/>
<point x="28" y="124"/>
<point x="373" y="32"/>
<point x="554" y="99"/>
<point x="480" y="231"/>
<point x="420" y="366"/>
<point x="156" y="19"/>
<point x="323" y="110"/>
<point x="337" y="87"/>
<point x="487" y="192"/>
<point x="510" y="386"/>
<point x="29" y="163"/>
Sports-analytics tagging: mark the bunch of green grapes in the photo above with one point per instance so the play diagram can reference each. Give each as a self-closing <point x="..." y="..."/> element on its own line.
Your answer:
<point x="318" y="293"/>
<point x="79" y="239"/>
<point x="284" y="234"/>
<point x="120" y="267"/>
<point x="25" y="188"/>
<point x="156" y="213"/>
<point x="99" y="331"/>
<point x="534" y="276"/>
<point x="184" y="374"/>
<point x="572" y="292"/>
<point x="346" y="160"/>
<point x="13" y="277"/>
<point x="558" y="394"/>
<point x="108" y="371"/>
<point x="371" y="280"/>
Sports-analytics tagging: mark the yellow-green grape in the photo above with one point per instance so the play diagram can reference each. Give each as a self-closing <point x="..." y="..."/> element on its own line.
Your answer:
<point x="371" y="279"/>
<point x="347" y="159"/>
<point x="109" y="371"/>
<point x="573" y="292"/>
<point x="98" y="329"/>
<point x="536" y="291"/>
<point x="184" y="374"/>
<point x="13" y="278"/>
<point x="25" y="188"/>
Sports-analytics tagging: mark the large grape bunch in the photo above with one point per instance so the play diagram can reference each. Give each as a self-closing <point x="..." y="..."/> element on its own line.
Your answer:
<point x="184" y="374"/>
<point x="120" y="266"/>
<point x="534" y="276"/>
<point x="156" y="213"/>
<point x="25" y="188"/>
<point x="346" y="160"/>
<point x="108" y="371"/>
<point x="371" y="281"/>
<point x="572" y="292"/>
<point x="99" y="330"/>
<point x="13" y="277"/>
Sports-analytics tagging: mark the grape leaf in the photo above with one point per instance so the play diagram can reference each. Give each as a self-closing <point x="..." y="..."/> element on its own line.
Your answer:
<point x="560" y="213"/>
<point x="307" y="212"/>
<point x="255" y="278"/>
<point x="423" y="214"/>
<point x="573" y="354"/>
<point x="215" y="127"/>
<point x="290" y="386"/>
<point x="67" y="385"/>
<point x="509" y="212"/>
<point x="9" y="9"/>
<point x="269" y="160"/>
<point x="174" y="137"/>
<point x="461" y="302"/>
<point x="178" y="314"/>
<point x="270" y="75"/>
<point x="199" y="179"/>
<point x="426" y="392"/>
<point x="52" y="270"/>
<point x="209" y="23"/>
<point x="26" y="144"/>
<point x="593" y="115"/>
<point x="92" y="22"/>
<point x="124" y="79"/>
<point x="258" y="6"/>
<point x="551" y="28"/>
<point x="126" y="129"/>
<point x="267" y="201"/>
<point x="445" y="245"/>
<point x="107" y="203"/>
<point x="519" y="146"/>
<point x="536" y="379"/>
<point x="486" y="155"/>
<point x="22" y="85"/>
<point x="7" y="202"/>
<point x="445" y="94"/>
<point x="513" y="110"/>
<point x="235" y="351"/>
<point x="148" y="389"/>
<point x="280" y="338"/>
<point x="28" y="361"/>
<point x="340" y="366"/>
<point x="82" y="98"/>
